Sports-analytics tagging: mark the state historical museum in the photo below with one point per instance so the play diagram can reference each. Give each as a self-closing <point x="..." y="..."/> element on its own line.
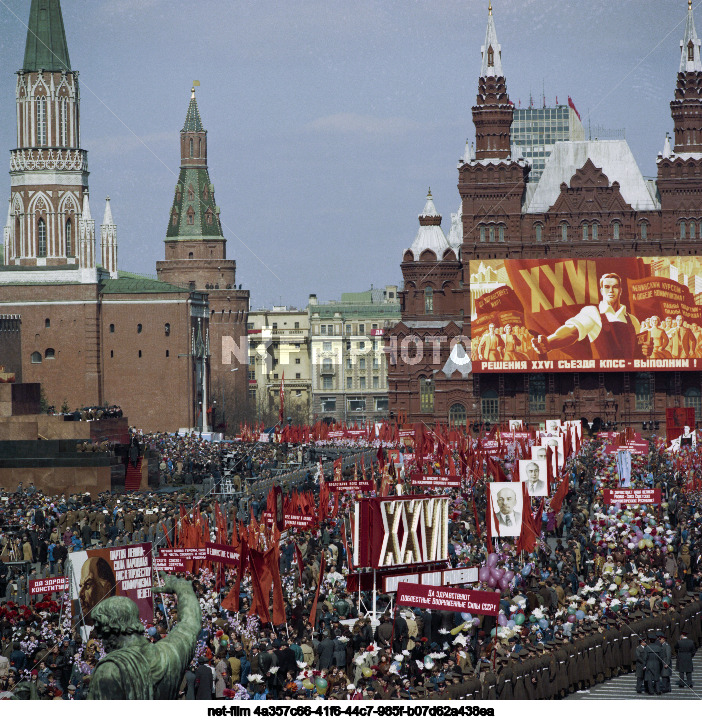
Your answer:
<point x="576" y="295"/>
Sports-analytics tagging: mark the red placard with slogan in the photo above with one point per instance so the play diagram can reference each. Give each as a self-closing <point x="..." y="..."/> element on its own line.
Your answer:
<point x="185" y="554"/>
<point x="422" y="479"/>
<point x="47" y="585"/>
<point x="228" y="555"/>
<point x="440" y="598"/>
<point x="631" y="496"/>
<point x="351" y="485"/>
<point x="299" y="520"/>
<point x="169" y="564"/>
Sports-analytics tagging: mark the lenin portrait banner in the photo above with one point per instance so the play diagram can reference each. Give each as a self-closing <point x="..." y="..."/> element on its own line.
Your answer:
<point x="100" y="573"/>
<point x="602" y="314"/>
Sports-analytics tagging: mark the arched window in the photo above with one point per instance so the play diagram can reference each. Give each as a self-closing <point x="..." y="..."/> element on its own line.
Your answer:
<point x="41" y="120"/>
<point x="41" y="238"/>
<point x="615" y="230"/>
<point x="492" y="233"/>
<point x="693" y="399"/>
<point x="490" y="406"/>
<point x="191" y="216"/>
<point x="174" y="220"/>
<point x="139" y="328"/>
<point x="501" y="233"/>
<point x="692" y="229"/>
<point x="112" y="327"/>
<point x="190" y="255"/>
<point x="482" y="233"/>
<point x="69" y="239"/>
<point x="491" y="57"/>
<point x="191" y="147"/>
<point x="595" y="231"/>
<point x="564" y="231"/>
<point x="49" y="354"/>
<point x="428" y="300"/>
<point x="690" y="51"/>
<point x="457" y="415"/>
<point x="538" y="231"/>
<point x="426" y="395"/>
<point x="642" y="391"/>
<point x="584" y="231"/>
<point x="644" y="231"/>
<point x="36" y="357"/>
<point x="682" y="230"/>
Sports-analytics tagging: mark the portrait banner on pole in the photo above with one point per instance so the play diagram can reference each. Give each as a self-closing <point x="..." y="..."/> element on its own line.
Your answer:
<point x="100" y="573"/>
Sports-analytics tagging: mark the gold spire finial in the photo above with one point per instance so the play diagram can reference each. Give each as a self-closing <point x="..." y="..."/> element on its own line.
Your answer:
<point x="689" y="4"/>
<point x="490" y="7"/>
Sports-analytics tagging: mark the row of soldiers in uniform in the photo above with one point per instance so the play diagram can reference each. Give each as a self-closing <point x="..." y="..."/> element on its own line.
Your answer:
<point x="593" y="654"/>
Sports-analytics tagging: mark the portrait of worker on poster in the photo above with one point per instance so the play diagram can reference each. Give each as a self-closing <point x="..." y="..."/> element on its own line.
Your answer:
<point x="507" y="502"/>
<point x="534" y="475"/>
<point x="603" y="314"/>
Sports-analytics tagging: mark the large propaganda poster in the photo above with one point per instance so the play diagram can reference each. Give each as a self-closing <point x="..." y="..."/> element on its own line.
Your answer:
<point x="100" y="573"/>
<point x="603" y="314"/>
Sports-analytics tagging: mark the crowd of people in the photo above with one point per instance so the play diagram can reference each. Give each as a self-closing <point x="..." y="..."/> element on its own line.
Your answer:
<point x="607" y="589"/>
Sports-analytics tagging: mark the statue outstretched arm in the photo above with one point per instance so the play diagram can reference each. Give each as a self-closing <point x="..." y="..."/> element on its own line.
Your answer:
<point x="183" y="637"/>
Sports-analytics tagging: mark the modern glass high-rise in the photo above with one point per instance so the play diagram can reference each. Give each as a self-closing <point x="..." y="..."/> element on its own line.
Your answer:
<point x="536" y="130"/>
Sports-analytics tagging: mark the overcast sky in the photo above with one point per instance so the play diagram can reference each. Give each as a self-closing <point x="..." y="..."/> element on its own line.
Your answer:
<point x="327" y="121"/>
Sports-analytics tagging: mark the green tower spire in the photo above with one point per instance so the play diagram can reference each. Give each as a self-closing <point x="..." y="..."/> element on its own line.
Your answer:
<point x="46" y="38"/>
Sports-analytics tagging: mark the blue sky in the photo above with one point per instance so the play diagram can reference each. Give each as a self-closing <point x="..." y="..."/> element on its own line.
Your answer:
<point x="327" y="121"/>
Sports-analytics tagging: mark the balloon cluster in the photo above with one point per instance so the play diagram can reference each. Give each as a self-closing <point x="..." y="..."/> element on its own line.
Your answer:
<point x="490" y="574"/>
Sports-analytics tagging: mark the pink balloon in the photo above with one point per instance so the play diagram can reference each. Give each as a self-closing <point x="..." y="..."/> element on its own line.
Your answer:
<point x="509" y="575"/>
<point x="503" y="583"/>
<point x="483" y="574"/>
<point x="492" y="559"/>
<point x="498" y="573"/>
<point x="571" y="618"/>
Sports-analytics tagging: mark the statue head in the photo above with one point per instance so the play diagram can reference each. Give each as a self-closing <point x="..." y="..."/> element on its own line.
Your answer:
<point x="114" y="617"/>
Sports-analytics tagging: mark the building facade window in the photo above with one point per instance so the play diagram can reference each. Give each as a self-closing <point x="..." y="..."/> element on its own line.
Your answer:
<point x="49" y="354"/>
<point x="326" y="345"/>
<point x="63" y="121"/>
<point x="501" y="233"/>
<point x="328" y="404"/>
<point x="615" y="230"/>
<point x="428" y="301"/>
<point x="492" y="233"/>
<point x="112" y="327"/>
<point x="381" y="404"/>
<point x="482" y="233"/>
<point x="644" y="231"/>
<point x="642" y="391"/>
<point x="490" y="406"/>
<point x="693" y="399"/>
<point x="595" y="231"/>
<point x="139" y="328"/>
<point x="538" y="230"/>
<point x="327" y="383"/>
<point x="41" y="120"/>
<point x="327" y="365"/>
<point x="426" y="395"/>
<point x="564" y="231"/>
<point x="537" y="393"/>
<point x="167" y="329"/>
<point x="692" y="229"/>
<point x="69" y="238"/>
<point x="357" y="405"/>
<point x="584" y="231"/>
<point x="41" y="238"/>
<point x="376" y="382"/>
<point x="362" y="383"/>
<point x="349" y="383"/>
<point x="457" y="415"/>
<point x="36" y="357"/>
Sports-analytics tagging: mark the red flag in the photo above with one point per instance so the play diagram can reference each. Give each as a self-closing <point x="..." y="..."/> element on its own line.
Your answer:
<point x="273" y="561"/>
<point x="231" y="601"/>
<point x="261" y="581"/>
<point x="571" y="104"/>
<point x="313" y="612"/>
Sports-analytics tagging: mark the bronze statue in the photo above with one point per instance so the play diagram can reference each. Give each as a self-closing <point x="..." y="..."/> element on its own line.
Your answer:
<point x="133" y="668"/>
